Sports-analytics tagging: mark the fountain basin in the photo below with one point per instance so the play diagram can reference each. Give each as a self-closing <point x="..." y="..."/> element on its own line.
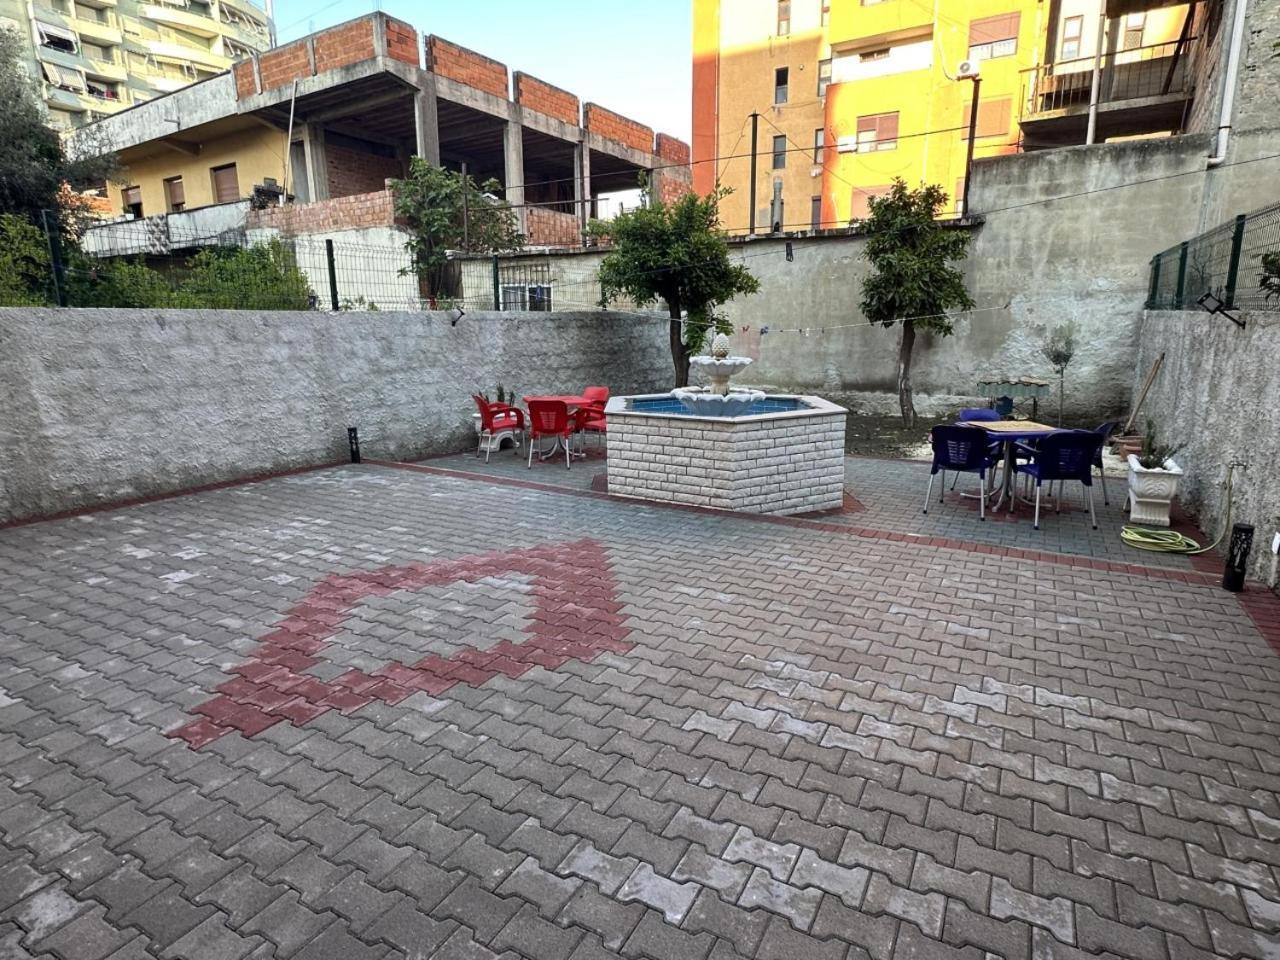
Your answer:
<point x="784" y="455"/>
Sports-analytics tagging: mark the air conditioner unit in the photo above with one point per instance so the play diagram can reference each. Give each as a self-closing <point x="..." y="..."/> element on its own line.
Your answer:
<point x="968" y="70"/>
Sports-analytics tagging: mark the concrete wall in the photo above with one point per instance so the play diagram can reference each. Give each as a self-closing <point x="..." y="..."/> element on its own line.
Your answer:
<point x="106" y="405"/>
<point x="1216" y="397"/>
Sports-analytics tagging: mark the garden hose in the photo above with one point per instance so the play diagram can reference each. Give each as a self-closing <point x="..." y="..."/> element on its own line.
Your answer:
<point x="1170" y="541"/>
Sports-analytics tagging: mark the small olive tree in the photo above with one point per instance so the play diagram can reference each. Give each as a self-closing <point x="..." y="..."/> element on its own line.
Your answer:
<point x="912" y="281"/>
<point x="445" y="211"/>
<point x="1059" y="350"/>
<point x="676" y="253"/>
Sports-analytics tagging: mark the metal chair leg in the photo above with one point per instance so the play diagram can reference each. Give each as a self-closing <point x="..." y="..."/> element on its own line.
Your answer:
<point x="942" y="491"/>
<point x="1092" y="517"/>
<point x="488" y="448"/>
<point x="568" y="451"/>
<point x="530" y="464"/>
<point x="982" y="497"/>
<point x="1101" y="473"/>
<point x="928" y="493"/>
<point x="1035" y="524"/>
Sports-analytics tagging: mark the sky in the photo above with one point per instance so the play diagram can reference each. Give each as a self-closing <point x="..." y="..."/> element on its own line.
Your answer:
<point x="632" y="57"/>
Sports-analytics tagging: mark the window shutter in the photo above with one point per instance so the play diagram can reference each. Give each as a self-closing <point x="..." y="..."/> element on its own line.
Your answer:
<point x="226" y="187"/>
<point x="131" y="195"/>
<point x="887" y="126"/>
<point x="867" y="123"/>
<point x="991" y="29"/>
<point x="176" y="194"/>
<point x="993" y="118"/>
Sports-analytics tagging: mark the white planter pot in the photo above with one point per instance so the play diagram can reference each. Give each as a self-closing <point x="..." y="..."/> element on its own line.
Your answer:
<point x="1151" y="492"/>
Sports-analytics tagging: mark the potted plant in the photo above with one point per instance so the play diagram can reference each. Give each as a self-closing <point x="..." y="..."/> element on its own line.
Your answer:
<point x="1153" y="480"/>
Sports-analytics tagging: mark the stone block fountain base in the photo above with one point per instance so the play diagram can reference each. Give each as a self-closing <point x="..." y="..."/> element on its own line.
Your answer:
<point x="785" y="458"/>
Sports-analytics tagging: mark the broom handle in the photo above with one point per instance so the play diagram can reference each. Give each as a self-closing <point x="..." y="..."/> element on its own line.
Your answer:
<point x="1142" y="395"/>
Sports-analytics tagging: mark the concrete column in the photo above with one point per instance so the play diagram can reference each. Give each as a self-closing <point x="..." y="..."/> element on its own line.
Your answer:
<point x="513" y="181"/>
<point x="317" y="162"/>
<point x="426" y="121"/>
<point x="582" y="182"/>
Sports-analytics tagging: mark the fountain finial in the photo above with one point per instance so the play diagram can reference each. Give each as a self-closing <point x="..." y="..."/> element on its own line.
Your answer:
<point x="720" y="346"/>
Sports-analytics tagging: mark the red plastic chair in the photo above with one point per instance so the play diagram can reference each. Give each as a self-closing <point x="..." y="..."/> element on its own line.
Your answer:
<point x="497" y="422"/>
<point x="550" y="418"/>
<point x="591" y="418"/>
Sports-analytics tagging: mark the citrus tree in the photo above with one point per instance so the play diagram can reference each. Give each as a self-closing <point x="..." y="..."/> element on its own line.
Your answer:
<point x="912" y="282"/>
<point x="676" y="253"/>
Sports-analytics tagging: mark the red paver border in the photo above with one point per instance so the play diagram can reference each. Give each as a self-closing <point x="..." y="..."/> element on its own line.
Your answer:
<point x="159" y="497"/>
<point x="576" y="616"/>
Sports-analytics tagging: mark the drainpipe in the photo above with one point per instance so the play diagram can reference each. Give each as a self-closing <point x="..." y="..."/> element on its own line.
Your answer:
<point x="1095" y="87"/>
<point x="1229" y="84"/>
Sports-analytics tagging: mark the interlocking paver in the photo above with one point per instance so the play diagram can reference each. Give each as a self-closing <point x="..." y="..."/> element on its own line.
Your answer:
<point x="852" y="745"/>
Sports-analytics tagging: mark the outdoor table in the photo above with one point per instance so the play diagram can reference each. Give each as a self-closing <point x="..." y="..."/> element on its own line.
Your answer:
<point x="572" y="401"/>
<point x="1008" y="433"/>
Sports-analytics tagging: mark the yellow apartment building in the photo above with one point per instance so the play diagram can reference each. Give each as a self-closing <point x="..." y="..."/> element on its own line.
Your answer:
<point x="849" y="94"/>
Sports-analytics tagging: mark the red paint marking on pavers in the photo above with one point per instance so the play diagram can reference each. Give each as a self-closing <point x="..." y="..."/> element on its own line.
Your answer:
<point x="576" y="616"/>
<point x="173" y="494"/>
<point x="948" y="543"/>
<point x="1263" y="608"/>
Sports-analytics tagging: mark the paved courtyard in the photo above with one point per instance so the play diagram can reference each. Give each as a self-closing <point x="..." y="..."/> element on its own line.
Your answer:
<point x="376" y="712"/>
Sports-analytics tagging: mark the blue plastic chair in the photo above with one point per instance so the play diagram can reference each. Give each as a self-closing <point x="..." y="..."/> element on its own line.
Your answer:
<point x="1104" y="430"/>
<point x="964" y="450"/>
<point x="1066" y="455"/>
<point x="974" y="414"/>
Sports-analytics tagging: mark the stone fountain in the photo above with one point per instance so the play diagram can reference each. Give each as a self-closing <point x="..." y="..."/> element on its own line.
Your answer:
<point x="720" y="400"/>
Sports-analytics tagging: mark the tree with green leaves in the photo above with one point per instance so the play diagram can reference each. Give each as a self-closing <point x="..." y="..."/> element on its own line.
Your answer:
<point x="912" y="281"/>
<point x="34" y="168"/>
<point x="446" y="211"/>
<point x="676" y="253"/>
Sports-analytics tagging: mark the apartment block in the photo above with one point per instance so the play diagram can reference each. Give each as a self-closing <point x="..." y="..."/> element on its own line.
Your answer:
<point x="94" y="58"/>
<point x="835" y="98"/>
<point x="302" y="139"/>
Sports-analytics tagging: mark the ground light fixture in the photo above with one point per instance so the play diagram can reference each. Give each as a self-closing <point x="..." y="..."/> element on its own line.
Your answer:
<point x="1215" y="305"/>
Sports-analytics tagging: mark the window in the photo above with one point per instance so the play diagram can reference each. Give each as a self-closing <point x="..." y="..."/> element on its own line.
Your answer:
<point x="815" y="213"/>
<point x="824" y="77"/>
<point x="1134" y="24"/>
<point x="94" y="51"/>
<point x="131" y="200"/>
<point x="174" y="198"/>
<point x="521" y="297"/>
<point x="56" y="38"/>
<point x="780" y="77"/>
<point x="1072" y="27"/>
<point x="994" y="37"/>
<point x="784" y="17"/>
<point x="869" y="56"/>
<point x="819" y="144"/>
<point x="993" y="118"/>
<point x="64" y="78"/>
<point x="226" y="187"/>
<point x="878" y="132"/>
<point x="779" y="153"/>
<point x="102" y="91"/>
<point x="826" y="12"/>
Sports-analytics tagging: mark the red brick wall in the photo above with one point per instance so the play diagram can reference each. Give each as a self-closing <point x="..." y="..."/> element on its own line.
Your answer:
<point x="353" y="171"/>
<point x="348" y="43"/>
<point x="342" y="213"/>
<point x="672" y="188"/>
<point x="284" y="65"/>
<point x="614" y="126"/>
<point x="672" y="150"/>
<point x="467" y="66"/>
<point x="553" y="228"/>
<point x="402" y="42"/>
<point x="543" y="97"/>
<point x="246" y="83"/>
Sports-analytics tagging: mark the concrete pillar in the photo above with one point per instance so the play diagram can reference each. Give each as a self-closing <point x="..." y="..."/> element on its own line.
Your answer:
<point x="426" y="121"/>
<point x="513" y="180"/>
<point x="582" y="182"/>
<point x="317" y="162"/>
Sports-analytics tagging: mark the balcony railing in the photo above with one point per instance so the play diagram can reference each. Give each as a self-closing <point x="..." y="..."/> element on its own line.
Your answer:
<point x="1159" y="70"/>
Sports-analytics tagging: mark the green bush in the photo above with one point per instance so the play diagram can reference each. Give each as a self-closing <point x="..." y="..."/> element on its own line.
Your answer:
<point x="24" y="264"/>
<point x="261" y="277"/>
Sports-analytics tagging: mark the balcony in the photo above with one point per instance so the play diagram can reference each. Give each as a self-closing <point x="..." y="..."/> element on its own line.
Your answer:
<point x="99" y="31"/>
<point x="105" y="69"/>
<point x="66" y="100"/>
<point x="247" y="7"/>
<point x="200" y="24"/>
<point x="177" y="51"/>
<point x="1141" y="91"/>
<point x="220" y="223"/>
<point x="246" y="35"/>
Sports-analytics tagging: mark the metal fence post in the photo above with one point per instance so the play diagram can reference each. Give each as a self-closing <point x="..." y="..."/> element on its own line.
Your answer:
<point x="53" y="233"/>
<point x="333" y="275"/>
<point x="1233" y="267"/>
<point x="1182" y="274"/>
<point x="1153" y="294"/>
<point x="497" y="290"/>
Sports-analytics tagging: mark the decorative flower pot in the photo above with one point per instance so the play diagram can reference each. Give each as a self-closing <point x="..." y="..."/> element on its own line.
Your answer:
<point x="1151" y="492"/>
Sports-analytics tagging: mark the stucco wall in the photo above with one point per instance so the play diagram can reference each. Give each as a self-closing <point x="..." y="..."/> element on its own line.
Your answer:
<point x="106" y="405"/>
<point x="1216" y="398"/>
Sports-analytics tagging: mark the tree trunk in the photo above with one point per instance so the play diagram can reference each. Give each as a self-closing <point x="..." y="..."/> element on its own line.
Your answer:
<point x="679" y="355"/>
<point x="905" y="403"/>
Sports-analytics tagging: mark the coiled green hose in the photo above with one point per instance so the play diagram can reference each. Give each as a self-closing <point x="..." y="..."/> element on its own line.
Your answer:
<point x="1170" y="541"/>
